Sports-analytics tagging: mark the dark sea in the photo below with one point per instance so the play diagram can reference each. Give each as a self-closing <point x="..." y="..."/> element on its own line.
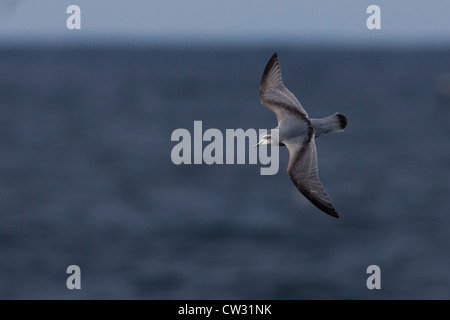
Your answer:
<point x="87" y="179"/>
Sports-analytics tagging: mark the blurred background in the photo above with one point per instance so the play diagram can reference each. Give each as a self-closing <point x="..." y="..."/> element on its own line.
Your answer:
<point x="86" y="176"/>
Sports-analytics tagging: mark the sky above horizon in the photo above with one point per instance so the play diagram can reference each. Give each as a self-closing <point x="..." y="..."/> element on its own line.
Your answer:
<point x="246" y="21"/>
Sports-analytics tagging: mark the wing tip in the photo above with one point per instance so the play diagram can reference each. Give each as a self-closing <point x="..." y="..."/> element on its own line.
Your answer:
<point x="333" y="213"/>
<point x="327" y="208"/>
<point x="273" y="60"/>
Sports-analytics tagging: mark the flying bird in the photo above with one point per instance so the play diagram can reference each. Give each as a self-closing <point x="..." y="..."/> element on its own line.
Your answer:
<point x="297" y="132"/>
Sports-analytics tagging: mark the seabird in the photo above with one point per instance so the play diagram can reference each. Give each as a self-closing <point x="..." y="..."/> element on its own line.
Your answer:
<point x="297" y="132"/>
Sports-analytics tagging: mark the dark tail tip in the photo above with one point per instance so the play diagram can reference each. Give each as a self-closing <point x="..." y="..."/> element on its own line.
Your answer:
<point x="342" y="120"/>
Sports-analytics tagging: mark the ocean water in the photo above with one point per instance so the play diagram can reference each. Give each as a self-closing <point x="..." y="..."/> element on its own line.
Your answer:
<point x="86" y="176"/>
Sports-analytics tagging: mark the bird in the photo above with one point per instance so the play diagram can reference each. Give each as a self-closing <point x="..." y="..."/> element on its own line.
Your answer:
<point x="297" y="132"/>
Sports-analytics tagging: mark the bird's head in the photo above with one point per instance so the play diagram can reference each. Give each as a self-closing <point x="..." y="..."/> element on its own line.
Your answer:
<point x="267" y="138"/>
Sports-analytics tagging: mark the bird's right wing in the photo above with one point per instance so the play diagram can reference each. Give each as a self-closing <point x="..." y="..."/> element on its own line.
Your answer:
<point x="303" y="171"/>
<point x="275" y="96"/>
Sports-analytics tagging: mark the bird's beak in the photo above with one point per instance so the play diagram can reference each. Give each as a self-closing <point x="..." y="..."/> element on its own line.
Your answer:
<point x="257" y="145"/>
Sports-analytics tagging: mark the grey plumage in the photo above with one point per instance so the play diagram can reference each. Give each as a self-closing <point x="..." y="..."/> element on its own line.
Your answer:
<point x="298" y="132"/>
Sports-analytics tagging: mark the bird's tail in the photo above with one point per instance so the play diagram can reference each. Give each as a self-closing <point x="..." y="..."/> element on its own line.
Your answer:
<point x="334" y="123"/>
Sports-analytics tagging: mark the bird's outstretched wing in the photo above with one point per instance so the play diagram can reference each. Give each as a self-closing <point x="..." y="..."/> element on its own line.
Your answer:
<point x="302" y="169"/>
<point x="275" y="96"/>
